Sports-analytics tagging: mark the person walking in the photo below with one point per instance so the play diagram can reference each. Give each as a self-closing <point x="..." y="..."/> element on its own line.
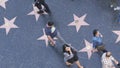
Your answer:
<point x="97" y="42"/>
<point x="39" y="3"/>
<point x="52" y="32"/>
<point x="70" y="56"/>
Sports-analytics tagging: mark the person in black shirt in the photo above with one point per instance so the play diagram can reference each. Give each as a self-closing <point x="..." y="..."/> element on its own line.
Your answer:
<point x="39" y="3"/>
<point x="70" y="56"/>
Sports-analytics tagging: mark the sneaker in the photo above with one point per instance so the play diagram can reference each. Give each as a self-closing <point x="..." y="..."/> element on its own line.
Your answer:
<point x="117" y="8"/>
<point x="118" y="64"/>
<point x="40" y="12"/>
<point x="49" y="12"/>
<point x="111" y="6"/>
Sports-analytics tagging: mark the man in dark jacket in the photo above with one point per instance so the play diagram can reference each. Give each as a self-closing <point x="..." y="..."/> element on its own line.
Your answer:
<point x="39" y="3"/>
<point x="52" y="32"/>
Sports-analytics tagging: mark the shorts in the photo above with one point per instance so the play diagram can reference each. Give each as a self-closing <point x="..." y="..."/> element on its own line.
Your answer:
<point x="72" y="60"/>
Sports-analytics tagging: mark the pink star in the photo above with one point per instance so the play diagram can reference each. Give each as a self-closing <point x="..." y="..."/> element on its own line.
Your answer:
<point x="34" y="12"/>
<point x="88" y="49"/>
<point x="118" y="33"/>
<point x="78" y="22"/>
<point x="2" y="3"/>
<point x="9" y="24"/>
<point x="44" y="37"/>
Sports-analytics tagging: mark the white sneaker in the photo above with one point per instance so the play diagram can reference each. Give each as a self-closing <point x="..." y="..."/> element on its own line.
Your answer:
<point x="111" y="6"/>
<point x="117" y="8"/>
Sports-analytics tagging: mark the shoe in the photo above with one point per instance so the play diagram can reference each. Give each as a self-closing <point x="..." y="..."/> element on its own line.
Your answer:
<point x="69" y="66"/>
<point x="49" y="12"/>
<point x="111" y="6"/>
<point x="117" y="8"/>
<point x="40" y="12"/>
<point x="118" y="65"/>
<point x="49" y="43"/>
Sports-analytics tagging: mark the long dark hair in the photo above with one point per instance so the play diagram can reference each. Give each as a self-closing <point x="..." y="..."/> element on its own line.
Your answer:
<point x="64" y="48"/>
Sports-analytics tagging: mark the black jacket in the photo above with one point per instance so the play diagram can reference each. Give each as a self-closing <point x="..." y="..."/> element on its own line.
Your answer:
<point x="40" y="1"/>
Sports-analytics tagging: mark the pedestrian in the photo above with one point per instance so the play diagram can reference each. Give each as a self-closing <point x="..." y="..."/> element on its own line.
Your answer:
<point x="52" y="32"/>
<point x="107" y="60"/>
<point x="70" y="56"/>
<point x="114" y="5"/>
<point x="39" y="3"/>
<point x="97" y="41"/>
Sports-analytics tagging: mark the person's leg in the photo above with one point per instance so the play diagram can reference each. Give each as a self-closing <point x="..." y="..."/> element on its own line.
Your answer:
<point x="105" y="51"/>
<point x="68" y="64"/>
<point x="102" y="48"/>
<point x="113" y="3"/>
<point x="60" y="38"/>
<point x="99" y="51"/>
<point x="78" y="64"/>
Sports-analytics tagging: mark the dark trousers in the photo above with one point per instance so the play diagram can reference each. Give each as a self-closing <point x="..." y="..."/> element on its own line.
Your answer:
<point x="101" y="49"/>
<point x="39" y="6"/>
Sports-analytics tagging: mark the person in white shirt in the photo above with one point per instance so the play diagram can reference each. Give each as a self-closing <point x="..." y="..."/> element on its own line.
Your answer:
<point x="107" y="60"/>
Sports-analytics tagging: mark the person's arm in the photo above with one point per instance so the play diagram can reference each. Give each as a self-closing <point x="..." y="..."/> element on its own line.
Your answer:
<point x="51" y="40"/>
<point x="71" y="52"/>
<point x="68" y="56"/>
<point x="115" y="61"/>
<point x="47" y="32"/>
